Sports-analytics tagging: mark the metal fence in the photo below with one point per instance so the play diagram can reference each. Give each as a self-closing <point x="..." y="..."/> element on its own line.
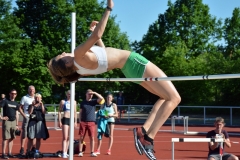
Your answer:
<point x="139" y="113"/>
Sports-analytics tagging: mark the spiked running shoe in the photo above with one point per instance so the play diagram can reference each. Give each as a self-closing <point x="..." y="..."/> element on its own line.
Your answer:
<point x="147" y="148"/>
<point x="137" y="132"/>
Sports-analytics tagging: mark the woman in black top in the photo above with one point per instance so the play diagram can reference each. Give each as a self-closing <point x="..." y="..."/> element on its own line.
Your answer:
<point x="37" y="125"/>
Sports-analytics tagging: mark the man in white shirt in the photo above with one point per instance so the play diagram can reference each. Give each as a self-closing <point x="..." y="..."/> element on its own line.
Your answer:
<point x="24" y="104"/>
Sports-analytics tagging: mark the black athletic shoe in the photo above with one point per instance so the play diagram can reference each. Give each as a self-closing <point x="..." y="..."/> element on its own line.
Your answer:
<point x="12" y="156"/>
<point x="4" y="156"/>
<point x="137" y="133"/>
<point x="21" y="151"/>
<point x="147" y="148"/>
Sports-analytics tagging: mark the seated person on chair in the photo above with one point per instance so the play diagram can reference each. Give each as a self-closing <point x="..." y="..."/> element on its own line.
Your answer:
<point x="214" y="147"/>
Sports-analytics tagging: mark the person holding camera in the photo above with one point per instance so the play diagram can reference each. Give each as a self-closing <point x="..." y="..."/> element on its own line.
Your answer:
<point x="9" y="123"/>
<point x="214" y="147"/>
<point x="37" y="125"/>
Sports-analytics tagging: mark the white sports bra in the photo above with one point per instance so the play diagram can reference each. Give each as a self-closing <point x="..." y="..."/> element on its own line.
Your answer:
<point x="102" y="62"/>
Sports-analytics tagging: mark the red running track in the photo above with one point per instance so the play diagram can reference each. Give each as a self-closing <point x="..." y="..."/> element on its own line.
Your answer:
<point x="124" y="149"/>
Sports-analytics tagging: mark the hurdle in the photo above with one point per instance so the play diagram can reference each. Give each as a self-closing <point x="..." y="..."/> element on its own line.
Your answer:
<point x="185" y="123"/>
<point x="221" y="140"/>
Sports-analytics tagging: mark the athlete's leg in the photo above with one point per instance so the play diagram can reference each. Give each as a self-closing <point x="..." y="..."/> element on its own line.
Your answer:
<point x="154" y="110"/>
<point x="165" y="90"/>
<point x="99" y="145"/>
<point x="65" y="131"/>
<point x="111" y="126"/>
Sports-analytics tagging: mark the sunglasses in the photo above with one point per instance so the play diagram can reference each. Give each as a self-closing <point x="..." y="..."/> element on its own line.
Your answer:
<point x="14" y="93"/>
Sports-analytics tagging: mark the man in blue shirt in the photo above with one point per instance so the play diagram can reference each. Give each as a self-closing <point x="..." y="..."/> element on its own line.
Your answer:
<point x="87" y="119"/>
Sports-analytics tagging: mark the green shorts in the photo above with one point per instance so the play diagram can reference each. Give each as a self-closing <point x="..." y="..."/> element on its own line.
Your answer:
<point x="135" y="66"/>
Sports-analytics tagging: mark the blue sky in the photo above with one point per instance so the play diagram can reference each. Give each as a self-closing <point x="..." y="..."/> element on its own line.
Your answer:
<point x="135" y="16"/>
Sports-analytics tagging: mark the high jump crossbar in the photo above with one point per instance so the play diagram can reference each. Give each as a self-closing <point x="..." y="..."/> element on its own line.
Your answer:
<point x="221" y="140"/>
<point x="177" y="78"/>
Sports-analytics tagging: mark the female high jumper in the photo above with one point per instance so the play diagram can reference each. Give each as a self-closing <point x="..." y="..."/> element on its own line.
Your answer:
<point x="89" y="59"/>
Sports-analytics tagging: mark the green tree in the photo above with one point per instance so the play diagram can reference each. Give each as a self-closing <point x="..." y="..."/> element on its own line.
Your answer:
<point x="231" y="33"/>
<point x="11" y="44"/>
<point x="179" y="42"/>
<point x="229" y="89"/>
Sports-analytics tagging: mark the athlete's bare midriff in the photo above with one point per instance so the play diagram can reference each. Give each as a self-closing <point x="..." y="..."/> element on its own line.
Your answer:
<point x="66" y="114"/>
<point x="116" y="57"/>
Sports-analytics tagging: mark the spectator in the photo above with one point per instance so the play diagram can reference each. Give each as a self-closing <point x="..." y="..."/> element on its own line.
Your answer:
<point x="120" y="100"/>
<point x="64" y="123"/>
<point x="87" y="119"/>
<point x="214" y="147"/>
<point x="37" y="128"/>
<point x="24" y="104"/>
<point x="110" y="109"/>
<point x="9" y="123"/>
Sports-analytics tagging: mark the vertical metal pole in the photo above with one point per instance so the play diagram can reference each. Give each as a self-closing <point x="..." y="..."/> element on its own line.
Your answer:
<point x="55" y="117"/>
<point x="128" y="113"/>
<point x="179" y="112"/>
<point x="184" y="125"/>
<point x="72" y="89"/>
<point x="221" y="147"/>
<point x="172" y="150"/>
<point x="204" y="115"/>
<point x="231" y="116"/>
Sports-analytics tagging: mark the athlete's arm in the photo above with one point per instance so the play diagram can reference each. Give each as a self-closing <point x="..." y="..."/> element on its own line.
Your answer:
<point x="92" y="28"/>
<point x="60" y="110"/>
<point x="115" y="110"/>
<point x="82" y="49"/>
